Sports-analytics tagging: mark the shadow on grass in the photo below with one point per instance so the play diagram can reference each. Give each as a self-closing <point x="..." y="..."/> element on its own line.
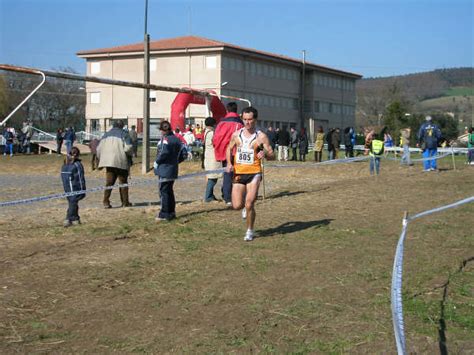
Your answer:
<point x="144" y="204"/>
<point x="287" y="193"/>
<point x="157" y="203"/>
<point x="190" y="214"/>
<point x="443" y="349"/>
<point x="291" y="227"/>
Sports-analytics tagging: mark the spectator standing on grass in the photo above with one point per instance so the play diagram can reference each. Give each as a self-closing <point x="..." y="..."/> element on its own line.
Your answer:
<point x="277" y="132"/>
<point x="134" y="139"/>
<point x="329" y="144"/>
<point x="198" y="133"/>
<point x="27" y="129"/>
<point x="283" y="139"/>
<point x="9" y="137"/>
<point x="376" y="151"/>
<point x="271" y="136"/>
<point x="72" y="176"/>
<point x="388" y="141"/>
<point x="171" y="152"/>
<point x="222" y="134"/>
<point x="319" y="145"/>
<point x="336" y="142"/>
<point x="349" y="141"/>
<point x="69" y="139"/>
<point x="293" y="143"/>
<point x="429" y="136"/>
<point x="59" y="140"/>
<point x="20" y="138"/>
<point x="405" y="143"/>
<point x="303" y="144"/>
<point x="470" y="146"/>
<point x="209" y="160"/>
<point x="114" y="153"/>
<point x="190" y="141"/>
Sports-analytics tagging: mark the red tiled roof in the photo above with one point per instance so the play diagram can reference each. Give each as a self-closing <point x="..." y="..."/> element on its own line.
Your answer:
<point x="195" y="42"/>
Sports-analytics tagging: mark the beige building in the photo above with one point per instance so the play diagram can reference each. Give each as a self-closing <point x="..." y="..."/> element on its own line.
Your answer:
<point x="271" y="82"/>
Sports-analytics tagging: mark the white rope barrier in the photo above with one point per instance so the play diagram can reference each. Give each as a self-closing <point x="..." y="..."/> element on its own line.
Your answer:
<point x="397" y="274"/>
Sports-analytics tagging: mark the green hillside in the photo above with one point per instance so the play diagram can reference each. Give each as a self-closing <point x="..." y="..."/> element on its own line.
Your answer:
<point x="445" y="91"/>
<point x="460" y="91"/>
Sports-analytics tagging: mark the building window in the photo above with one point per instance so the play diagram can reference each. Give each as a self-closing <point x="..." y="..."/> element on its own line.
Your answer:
<point x="152" y="64"/>
<point x="152" y="96"/>
<point x="232" y="63"/>
<point x="95" y="67"/>
<point x="211" y="62"/>
<point x="295" y="104"/>
<point x="316" y="106"/>
<point x="95" y="125"/>
<point x="307" y="106"/>
<point x="95" y="98"/>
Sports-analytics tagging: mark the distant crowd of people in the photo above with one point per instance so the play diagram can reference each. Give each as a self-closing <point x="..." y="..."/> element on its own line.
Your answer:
<point x="18" y="141"/>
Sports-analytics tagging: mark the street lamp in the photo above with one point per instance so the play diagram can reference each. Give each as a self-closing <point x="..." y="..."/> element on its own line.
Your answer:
<point x="146" y="100"/>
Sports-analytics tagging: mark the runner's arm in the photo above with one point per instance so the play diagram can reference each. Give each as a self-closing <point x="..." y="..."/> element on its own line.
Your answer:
<point x="267" y="151"/>
<point x="228" y="151"/>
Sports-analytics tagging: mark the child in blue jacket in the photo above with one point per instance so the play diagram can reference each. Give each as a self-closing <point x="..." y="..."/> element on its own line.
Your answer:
<point x="72" y="175"/>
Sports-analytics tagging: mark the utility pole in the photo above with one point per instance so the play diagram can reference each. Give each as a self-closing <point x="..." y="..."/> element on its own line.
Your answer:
<point x="146" y="99"/>
<point x="303" y="79"/>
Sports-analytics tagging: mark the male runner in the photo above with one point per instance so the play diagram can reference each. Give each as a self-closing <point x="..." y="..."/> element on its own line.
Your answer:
<point x="251" y="147"/>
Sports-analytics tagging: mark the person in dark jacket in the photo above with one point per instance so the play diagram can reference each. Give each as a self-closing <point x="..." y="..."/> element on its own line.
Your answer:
<point x="429" y="136"/>
<point x="349" y="137"/>
<point x="69" y="138"/>
<point x="20" y="137"/>
<point x="336" y="142"/>
<point x="170" y="153"/>
<point x="271" y="136"/>
<point x="283" y="140"/>
<point x="9" y="137"/>
<point x="72" y="175"/>
<point x="59" y="140"/>
<point x="303" y="144"/>
<point x="222" y="134"/>
<point x="329" y="143"/>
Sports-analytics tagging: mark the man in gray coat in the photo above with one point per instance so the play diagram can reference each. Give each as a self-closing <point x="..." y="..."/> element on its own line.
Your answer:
<point x="113" y="153"/>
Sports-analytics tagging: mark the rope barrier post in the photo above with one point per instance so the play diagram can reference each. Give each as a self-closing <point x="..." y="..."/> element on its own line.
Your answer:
<point x="263" y="178"/>
<point x="454" y="160"/>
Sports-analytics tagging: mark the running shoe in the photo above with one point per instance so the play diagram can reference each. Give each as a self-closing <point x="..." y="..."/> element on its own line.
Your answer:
<point x="249" y="235"/>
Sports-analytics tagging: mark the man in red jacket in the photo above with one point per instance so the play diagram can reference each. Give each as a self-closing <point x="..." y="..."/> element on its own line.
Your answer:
<point x="222" y="135"/>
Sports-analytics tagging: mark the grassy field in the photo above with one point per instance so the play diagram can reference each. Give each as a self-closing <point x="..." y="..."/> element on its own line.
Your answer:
<point x="460" y="91"/>
<point x="316" y="280"/>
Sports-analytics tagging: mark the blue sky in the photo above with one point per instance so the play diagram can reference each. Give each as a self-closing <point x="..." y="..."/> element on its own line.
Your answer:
<point x="369" y="37"/>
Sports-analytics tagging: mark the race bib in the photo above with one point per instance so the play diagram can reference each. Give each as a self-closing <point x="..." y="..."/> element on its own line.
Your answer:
<point x="245" y="156"/>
